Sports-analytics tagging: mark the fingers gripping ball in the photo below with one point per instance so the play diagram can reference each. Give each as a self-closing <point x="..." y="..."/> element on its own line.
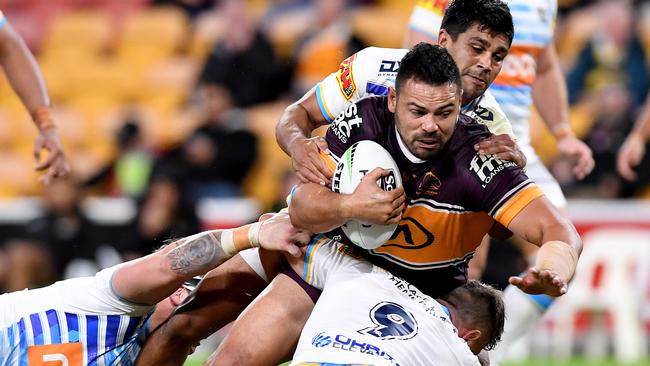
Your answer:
<point x="360" y="159"/>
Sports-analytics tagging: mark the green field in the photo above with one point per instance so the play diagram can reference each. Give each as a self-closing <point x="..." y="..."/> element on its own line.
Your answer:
<point x="536" y="362"/>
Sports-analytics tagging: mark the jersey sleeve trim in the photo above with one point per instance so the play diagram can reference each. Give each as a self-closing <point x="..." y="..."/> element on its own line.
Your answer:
<point x="322" y="106"/>
<point x="505" y="212"/>
<point x="308" y="269"/>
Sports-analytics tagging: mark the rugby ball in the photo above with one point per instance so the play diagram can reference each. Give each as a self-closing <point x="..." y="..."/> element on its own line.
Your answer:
<point x="358" y="160"/>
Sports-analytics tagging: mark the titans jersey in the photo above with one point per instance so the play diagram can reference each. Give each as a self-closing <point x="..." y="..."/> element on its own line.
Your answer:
<point x="372" y="71"/>
<point x="453" y="199"/>
<point x="391" y="323"/>
<point x="74" y="322"/>
<point x="534" y="22"/>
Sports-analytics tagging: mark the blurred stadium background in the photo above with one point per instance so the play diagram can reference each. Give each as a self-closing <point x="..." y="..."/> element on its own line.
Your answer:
<point x="167" y="112"/>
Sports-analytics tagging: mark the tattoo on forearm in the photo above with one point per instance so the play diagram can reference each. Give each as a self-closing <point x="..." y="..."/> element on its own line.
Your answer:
<point x="197" y="253"/>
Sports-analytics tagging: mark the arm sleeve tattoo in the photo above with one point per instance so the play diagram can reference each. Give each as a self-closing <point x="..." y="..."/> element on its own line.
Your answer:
<point x="197" y="253"/>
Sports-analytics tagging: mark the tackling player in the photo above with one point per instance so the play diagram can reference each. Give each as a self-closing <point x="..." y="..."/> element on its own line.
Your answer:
<point x="392" y="323"/>
<point x="531" y="75"/>
<point x="102" y="320"/>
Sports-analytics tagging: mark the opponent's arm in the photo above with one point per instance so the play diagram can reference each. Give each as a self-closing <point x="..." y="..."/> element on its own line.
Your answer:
<point x="550" y="99"/>
<point x="317" y="209"/>
<point x="633" y="149"/>
<point x="542" y="224"/>
<point x="26" y="80"/>
<point x="293" y="133"/>
<point x="160" y="273"/>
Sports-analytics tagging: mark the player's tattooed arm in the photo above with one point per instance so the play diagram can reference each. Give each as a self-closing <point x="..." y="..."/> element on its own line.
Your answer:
<point x="197" y="253"/>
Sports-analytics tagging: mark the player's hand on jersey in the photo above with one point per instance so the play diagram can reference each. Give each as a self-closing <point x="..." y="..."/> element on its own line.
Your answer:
<point x="579" y="154"/>
<point x="277" y="233"/>
<point x="55" y="165"/>
<point x="536" y="281"/>
<point x="371" y="204"/>
<point x="307" y="162"/>
<point x="630" y="155"/>
<point x="503" y="147"/>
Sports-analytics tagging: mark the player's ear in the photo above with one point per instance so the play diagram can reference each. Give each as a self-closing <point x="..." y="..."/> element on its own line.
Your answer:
<point x="470" y="334"/>
<point x="392" y="99"/>
<point x="443" y="38"/>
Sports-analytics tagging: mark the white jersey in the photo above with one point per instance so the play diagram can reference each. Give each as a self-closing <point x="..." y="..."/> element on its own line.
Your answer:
<point x="384" y="320"/>
<point x="76" y="322"/>
<point x="534" y="22"/>
<point x="372" y="71"/>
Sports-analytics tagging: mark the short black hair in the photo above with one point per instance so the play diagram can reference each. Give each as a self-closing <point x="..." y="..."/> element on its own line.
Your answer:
<point x="479" y="305"/>
<point x="490" y="15"/>
<point x="429" y="64"/>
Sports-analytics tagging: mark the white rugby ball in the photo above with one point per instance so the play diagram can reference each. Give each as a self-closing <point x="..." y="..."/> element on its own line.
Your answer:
<point x="358" y="160"/>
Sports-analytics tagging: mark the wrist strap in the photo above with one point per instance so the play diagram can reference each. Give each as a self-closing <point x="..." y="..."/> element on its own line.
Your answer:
<point x="245" y="237"/>
<point x="563" y="130"/>
<point x="43" y="118"/>
<point x="254" y="234"/>
<point x="228" y="243"/>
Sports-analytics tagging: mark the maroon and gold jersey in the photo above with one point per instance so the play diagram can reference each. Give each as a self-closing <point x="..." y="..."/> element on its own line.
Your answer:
<point x="452" y="200"/>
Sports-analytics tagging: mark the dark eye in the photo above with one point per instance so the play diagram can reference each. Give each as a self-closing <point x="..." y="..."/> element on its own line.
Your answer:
<point x="498" y="58"/>
<point x="445" y="114"/>
<point x="418" y="113"/>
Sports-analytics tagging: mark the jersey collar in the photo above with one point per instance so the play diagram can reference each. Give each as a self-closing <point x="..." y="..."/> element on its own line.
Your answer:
<point x="412" y="158"/>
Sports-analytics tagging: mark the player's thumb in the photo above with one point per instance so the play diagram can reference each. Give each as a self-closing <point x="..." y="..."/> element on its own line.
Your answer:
<point x="293" y="250"/>
<point x="38" y="146"/>
<point x="377" y="173"/>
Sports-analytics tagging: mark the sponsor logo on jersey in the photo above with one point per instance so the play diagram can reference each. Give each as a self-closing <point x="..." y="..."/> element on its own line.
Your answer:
<point x="349" y="344"/>
<point x="484" y="114"/>
<point x="67" y="354"/>
<point x="388" y="67"/>
<point x="346" y="121"/>
<point x="410" y="234"/>
<point x="486" y="167"/>
<point x="321" y="340"/>
<point x="345" y="78"/>
<point x="348" y="250"/>
<point x="429" y="186"/>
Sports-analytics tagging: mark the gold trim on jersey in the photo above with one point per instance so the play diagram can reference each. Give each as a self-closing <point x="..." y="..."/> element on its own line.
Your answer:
<point x="514" y="205"/>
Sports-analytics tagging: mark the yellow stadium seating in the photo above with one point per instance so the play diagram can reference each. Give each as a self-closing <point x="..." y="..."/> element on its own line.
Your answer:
<point x="264" y="181"/>
<point x="152" y="34"/>
<point x="78" y="34"/>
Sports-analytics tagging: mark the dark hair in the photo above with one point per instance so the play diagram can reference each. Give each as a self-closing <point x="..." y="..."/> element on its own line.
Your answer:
<point x="489" y="15"/>
<point x="429" y="64"/>
<point x="479" y="305"/>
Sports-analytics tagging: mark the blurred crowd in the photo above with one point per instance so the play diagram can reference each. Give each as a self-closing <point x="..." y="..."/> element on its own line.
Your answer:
<point x="171" y="102"/>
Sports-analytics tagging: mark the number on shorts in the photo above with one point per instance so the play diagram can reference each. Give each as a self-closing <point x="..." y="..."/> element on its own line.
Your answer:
<point x="391" y="321"/>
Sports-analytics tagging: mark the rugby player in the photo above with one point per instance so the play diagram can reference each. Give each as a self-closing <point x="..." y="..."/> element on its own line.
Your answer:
<point x="455" y="195"/>
<point x="531" y="75"/>
<point x="392" y="323"/>
<point x="478" y="34"/>
<point x="102" y="320"/>
<point x="26" y="80"/>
